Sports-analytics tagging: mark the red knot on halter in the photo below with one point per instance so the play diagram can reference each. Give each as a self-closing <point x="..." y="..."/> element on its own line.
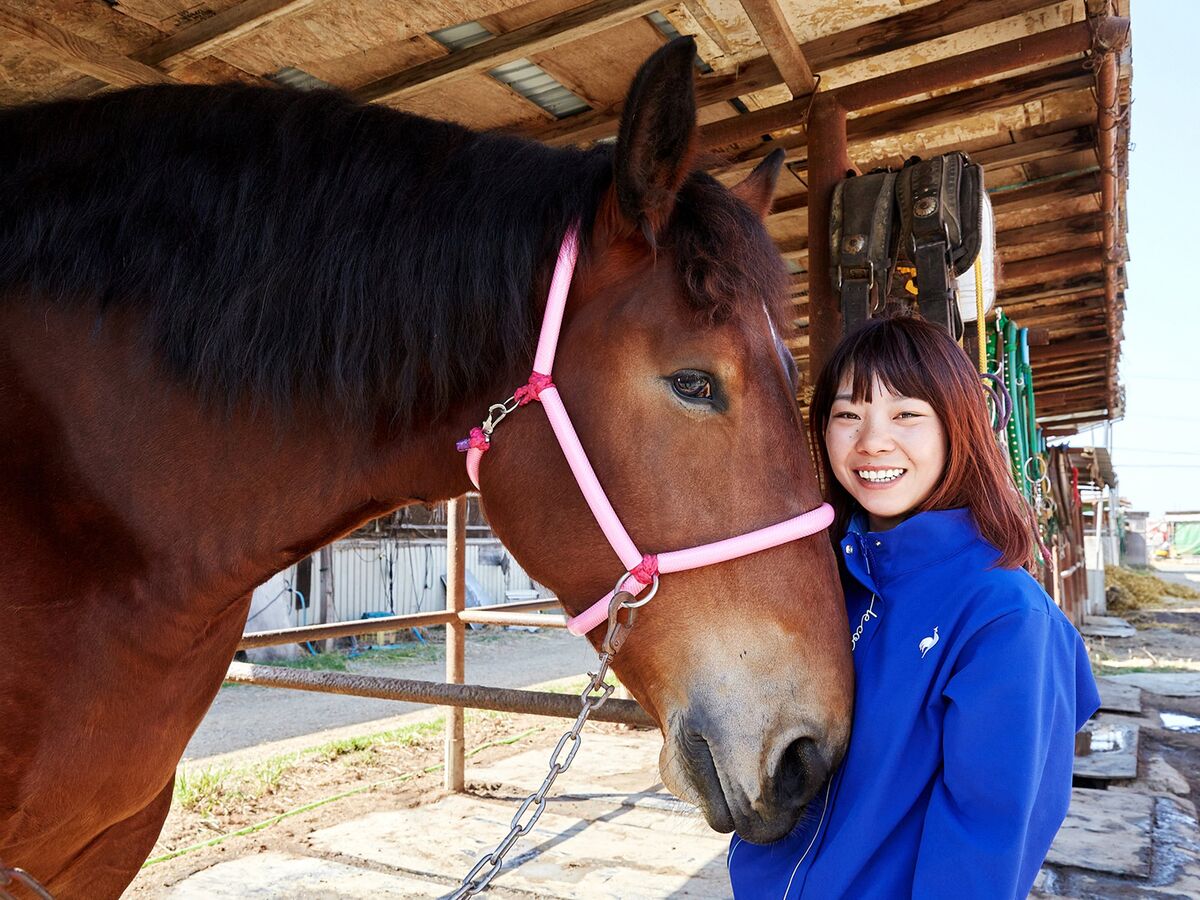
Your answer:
<point x="647" y="570"/>
<point x="477" y="441"/>
<point x="532" y="389"/>
<point x="641" y="570"/>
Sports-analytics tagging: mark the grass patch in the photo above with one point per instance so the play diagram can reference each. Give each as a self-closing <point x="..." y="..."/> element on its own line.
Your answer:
<point x="1130" y="589"/>
<point x="281" y="764"/>
<point x="405" y="736"/>
<point x="329" y="662"/>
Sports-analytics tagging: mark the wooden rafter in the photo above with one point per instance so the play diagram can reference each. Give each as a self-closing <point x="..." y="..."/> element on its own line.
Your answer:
<point x="211" y="34"/>
<point x="525" y="41"/>
<point x="81" y="54"/>
<point x="911" y="118"/>
<point x="777" y="36"/>
<point x="906" y="29"/>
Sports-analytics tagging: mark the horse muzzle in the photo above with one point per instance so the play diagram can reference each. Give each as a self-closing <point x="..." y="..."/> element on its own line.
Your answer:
<point x="755" y="784"/>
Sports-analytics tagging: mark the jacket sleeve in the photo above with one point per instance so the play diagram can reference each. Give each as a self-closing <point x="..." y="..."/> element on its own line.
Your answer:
<point x="1021" y="688"/>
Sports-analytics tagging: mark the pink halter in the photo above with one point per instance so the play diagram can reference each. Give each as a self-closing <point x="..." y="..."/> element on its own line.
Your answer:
<point x="640" y="570"/>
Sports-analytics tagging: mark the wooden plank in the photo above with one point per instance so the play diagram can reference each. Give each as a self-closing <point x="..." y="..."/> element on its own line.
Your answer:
<point x="81" y="54"/>
<point x="906" y="29"/>
<point x="1070" y="350"/>
<point x="909" y="28"/>
<point x="533" y="38"/>
<point x="1085" y="223"/>
<point x="985" y="62"/>
<point x="777" y="36"/>
<point x="211" y="34"/>
<point x="1046" y="191"/>
<point x="915" y="117"/>
<point x="1072" y="261"/>
<point x="595" y="124"/>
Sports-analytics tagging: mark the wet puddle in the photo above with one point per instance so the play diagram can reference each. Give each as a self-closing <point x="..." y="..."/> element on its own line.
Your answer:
<point x="1180" y="722"/>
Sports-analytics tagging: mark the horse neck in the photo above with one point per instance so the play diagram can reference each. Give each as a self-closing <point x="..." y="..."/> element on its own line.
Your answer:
<point x="165" y="503"/>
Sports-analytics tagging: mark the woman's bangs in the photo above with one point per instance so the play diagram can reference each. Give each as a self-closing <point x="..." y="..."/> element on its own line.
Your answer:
<point x="892" y="360"/>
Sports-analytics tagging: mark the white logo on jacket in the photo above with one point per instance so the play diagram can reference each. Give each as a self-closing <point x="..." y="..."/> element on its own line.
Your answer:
<point x="927" y="643"/>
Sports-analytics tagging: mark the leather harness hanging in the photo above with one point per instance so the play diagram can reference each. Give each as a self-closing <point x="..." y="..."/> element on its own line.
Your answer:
<point x="940" y="205"/>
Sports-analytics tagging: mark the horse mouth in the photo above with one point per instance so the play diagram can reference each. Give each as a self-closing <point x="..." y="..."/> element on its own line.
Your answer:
<point x="760" y="816"/>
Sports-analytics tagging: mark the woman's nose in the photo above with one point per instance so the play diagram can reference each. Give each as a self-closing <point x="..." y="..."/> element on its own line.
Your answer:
<point x="874" y="437"/>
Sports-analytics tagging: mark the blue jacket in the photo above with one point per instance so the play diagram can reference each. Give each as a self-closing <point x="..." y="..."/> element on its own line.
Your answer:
<point x="970" y="686"/>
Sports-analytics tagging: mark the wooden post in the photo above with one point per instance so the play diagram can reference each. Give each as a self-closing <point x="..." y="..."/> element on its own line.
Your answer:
<point x="827" y="165"/>
<point x="456" y="601"/>
<point x="325" y="559"/>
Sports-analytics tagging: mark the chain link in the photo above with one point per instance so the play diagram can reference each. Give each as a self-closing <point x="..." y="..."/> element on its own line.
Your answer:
<point x="9" y="877"/>
<point x="591" y="698"/>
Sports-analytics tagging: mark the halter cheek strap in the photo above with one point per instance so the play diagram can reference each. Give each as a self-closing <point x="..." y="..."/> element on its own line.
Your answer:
<point x="641" y="570"/>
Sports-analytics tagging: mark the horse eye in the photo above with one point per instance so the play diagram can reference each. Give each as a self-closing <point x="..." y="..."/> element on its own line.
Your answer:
<point x="692" y="385"/>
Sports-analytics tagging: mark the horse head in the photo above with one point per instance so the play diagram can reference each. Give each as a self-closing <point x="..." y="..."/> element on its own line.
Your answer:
<point x="672" y="368"/>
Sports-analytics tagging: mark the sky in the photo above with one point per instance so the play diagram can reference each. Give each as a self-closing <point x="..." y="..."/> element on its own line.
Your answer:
<point x="1156" y="447"/>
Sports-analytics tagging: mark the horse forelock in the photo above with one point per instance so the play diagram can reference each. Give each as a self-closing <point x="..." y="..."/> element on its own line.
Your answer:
<point x="726" y="260"/>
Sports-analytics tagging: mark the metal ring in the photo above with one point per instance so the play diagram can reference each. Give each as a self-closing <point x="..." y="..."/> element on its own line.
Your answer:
<point x="1037" y="457"/>
<point x="637" y="603"/>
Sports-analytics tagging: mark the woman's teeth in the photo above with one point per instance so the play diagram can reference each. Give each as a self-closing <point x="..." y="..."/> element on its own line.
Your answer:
<point x="879" y="476"/>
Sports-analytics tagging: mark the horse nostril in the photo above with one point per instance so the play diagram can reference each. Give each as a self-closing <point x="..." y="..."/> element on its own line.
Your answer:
<point x="801" y="771"/>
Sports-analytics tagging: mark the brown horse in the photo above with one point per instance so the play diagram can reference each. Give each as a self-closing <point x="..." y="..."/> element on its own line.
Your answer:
<point x="236" y="323"/>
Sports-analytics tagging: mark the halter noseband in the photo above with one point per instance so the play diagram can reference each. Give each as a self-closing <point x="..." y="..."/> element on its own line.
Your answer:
<point x="641" y="570"/>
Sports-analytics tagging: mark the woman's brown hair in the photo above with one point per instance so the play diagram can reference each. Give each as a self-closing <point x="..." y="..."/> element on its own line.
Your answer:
<point x="912" y="358"/>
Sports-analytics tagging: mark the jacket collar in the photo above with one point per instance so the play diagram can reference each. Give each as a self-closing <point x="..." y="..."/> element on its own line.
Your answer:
<point x="924" y="540"/>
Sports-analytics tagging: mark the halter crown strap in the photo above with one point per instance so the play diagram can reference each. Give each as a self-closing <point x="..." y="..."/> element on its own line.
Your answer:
<point x="640" y="570"/>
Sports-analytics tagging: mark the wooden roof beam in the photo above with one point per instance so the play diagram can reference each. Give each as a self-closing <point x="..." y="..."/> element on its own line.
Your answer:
<point x="777" y="36"/>
<point x="913" y="117"/>
<point x="1084" y="223"/>
<point x="1070" y="262"/>
<point x="530" y="39"/>
<point x="1045" y="46"/>
<point x="1045" y="191"/>
<point x="210" y="35"/>
<point x="896" y="32"/>
<point x="1030" y="50"/>
<point x="81" y="54"/>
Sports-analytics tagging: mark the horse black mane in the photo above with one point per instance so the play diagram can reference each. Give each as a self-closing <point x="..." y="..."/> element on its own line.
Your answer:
<point x="284" y="243"/>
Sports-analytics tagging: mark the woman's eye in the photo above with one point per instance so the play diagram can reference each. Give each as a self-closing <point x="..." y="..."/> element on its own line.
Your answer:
<point x="692" y="385"/>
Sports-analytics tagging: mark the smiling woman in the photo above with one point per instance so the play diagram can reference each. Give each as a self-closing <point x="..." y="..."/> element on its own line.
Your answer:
<point x="963" y="664"/>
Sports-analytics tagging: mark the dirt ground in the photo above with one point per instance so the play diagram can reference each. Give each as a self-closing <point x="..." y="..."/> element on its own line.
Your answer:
<point x="292" y="798"/>
<point x="1167" y="640"/>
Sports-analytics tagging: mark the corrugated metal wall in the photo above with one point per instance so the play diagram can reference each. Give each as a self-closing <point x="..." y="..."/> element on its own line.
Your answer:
<point x="387" y="575"/>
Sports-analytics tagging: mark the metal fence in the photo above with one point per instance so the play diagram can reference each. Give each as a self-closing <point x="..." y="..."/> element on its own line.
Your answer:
<point x="452" y="693"/>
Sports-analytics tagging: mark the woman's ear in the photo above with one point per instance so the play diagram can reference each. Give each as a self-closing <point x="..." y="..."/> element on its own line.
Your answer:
<point x="657" y="138"/>
<point x="757" y="188"/>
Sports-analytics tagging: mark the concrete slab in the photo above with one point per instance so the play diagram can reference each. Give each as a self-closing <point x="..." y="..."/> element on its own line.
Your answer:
<point x="614" y="852"/>
<point x="282" y="876"/>
<point x="1116" y="696"/>
<point x="1106" y="626"/>
<point x="1106" y="831"/>
<point x="1168" y="684"/>
<point x="1114" y="749"/>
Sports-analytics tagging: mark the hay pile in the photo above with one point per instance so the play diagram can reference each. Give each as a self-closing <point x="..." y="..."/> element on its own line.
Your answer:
<point x="1128" y="589"/>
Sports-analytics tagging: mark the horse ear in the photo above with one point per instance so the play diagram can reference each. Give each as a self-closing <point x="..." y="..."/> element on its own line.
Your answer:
<point x="657" y="136"/>
<point x="757" y="188"/>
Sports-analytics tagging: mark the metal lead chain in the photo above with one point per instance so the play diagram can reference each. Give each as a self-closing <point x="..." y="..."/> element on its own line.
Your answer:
<point x="9" y="877"/>
<point x="593" y="696"/>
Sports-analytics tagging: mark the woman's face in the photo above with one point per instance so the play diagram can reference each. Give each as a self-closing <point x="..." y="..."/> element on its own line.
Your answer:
<point x="888" y="452"/>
